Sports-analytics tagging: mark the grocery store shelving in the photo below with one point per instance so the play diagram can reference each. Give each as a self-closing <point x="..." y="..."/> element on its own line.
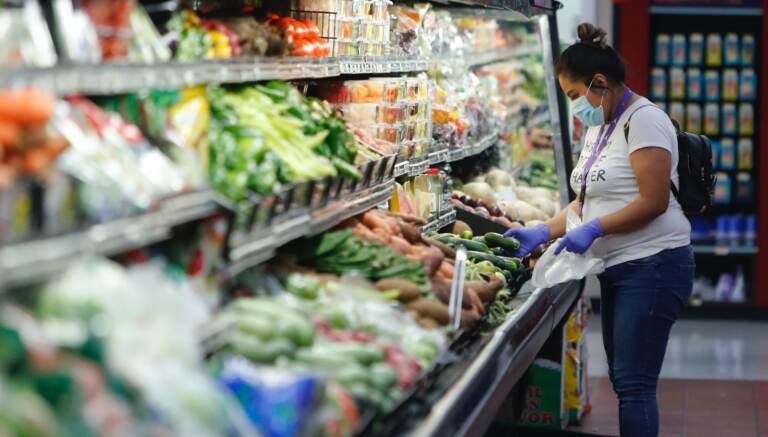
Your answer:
<point x="444" y="220"/>
<point x="725" y="250"/>
<point x="29" y="261"/>
<point x="475" y="392"/>
<point x="118" y="78"/>
<point x="417" y="166"/>
<point x="539" y="119"/>
<point x="262" y="245"/>
<point x="498" y="55"/>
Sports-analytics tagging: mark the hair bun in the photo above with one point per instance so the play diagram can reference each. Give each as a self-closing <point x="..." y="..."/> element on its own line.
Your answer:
<point x="590" y="34"/>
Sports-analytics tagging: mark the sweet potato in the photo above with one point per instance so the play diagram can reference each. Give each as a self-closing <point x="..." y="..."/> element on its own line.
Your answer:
<point x="366" y="234"/>
<point x="433" y="258"/>
<point x="400" y="245"/>
<point x="474" y="300"/>
<point x="486" y="291"/>
<point x="446" y="270"/>
<point x="409" y="291"/>
<point x="383" y="234"/>
<point x="469" y="317"/>
<point x="441" y="288"/>
<point x="428" y="323"/>
<point x="408" y="218"/>
<point x="410" y="232"/>
<point x="447" y="250"/>
<point x="432" y="308"/>
<point x="375" y="221"/>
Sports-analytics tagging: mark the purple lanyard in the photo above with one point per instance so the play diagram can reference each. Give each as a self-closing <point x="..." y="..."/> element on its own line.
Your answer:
<point x="602" y="141"/>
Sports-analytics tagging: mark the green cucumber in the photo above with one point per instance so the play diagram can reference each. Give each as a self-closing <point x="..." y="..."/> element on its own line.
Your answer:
<point x="468" y="244"/>
<point x="493" y="239"/>
<point x="499" y="261"/>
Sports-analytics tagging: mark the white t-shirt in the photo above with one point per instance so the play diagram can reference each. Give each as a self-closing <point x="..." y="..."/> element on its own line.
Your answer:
<point x="612" y="185"/>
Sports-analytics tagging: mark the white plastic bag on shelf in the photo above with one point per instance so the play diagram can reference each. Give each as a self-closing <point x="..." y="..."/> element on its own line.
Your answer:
<point x="554" y="269"/>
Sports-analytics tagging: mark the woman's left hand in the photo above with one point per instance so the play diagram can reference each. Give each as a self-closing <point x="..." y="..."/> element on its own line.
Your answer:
<point x="580" y="239"/>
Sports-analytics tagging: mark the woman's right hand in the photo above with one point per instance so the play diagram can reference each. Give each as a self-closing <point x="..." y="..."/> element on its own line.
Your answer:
<point x="529" y="238"/>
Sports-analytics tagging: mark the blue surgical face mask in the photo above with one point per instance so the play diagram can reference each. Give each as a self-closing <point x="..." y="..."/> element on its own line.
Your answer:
<point x="588" y="114"/>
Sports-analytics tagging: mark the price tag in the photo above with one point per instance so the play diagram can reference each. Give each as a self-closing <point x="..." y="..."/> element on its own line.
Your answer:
<point x="456" y="155"/>
<point x="419" y="168"/>
<point x="401" y="169"/>
<point x="457" y="288"/>
<point x="722" y="250"/>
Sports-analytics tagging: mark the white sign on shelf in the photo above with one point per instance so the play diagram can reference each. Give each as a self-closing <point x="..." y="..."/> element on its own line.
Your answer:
<point x="457" y="288"/>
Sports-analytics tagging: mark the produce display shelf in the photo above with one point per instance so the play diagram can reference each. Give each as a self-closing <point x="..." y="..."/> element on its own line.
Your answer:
<point x="381" y="64"/>
<point x="122" y="77"/>
<point x="441" y="222"/>
<point x="539" y="119"/>
<point x="725" y="250"/>
<point x="31" y="261"/>
<point x="500" y="55"/>
<point x="464" y="400"/>
<point x="263" y="245"/>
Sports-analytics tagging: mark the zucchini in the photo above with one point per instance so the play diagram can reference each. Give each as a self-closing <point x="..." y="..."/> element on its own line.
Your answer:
<point x="493" y="239"/>
<point x="468" y="244"/>
<point x="501" y="262"/>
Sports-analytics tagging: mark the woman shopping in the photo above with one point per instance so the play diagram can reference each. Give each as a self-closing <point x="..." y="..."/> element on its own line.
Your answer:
<point x="630" y="219"/>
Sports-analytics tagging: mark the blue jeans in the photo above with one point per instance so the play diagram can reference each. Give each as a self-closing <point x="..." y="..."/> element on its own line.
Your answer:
<point x="641" y="299"/>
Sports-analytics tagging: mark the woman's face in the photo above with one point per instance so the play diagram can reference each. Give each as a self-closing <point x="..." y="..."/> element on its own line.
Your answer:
<point x="574" y="89"/>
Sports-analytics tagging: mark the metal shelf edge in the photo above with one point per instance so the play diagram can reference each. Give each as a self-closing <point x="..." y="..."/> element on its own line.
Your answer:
<point x="117" y="78"/>
<point x="23" y="262"/>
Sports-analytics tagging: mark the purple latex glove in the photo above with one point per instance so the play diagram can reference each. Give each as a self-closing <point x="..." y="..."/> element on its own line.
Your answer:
<point x="580" y="239"/>
<point x="529" y="238"/>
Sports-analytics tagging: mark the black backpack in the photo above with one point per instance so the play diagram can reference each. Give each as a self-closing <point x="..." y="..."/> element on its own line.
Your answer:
<point x="697" y="182"/>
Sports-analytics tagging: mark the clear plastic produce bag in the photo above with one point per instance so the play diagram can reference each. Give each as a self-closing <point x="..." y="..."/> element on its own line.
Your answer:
<point x="554" y="269"/>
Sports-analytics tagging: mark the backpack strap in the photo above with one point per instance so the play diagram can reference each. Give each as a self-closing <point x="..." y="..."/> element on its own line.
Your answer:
<point x="626" y="125"/>
<point x="675" y="191"/>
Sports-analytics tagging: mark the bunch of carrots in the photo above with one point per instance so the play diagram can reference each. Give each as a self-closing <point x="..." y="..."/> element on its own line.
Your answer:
<point x="26" y="145"/>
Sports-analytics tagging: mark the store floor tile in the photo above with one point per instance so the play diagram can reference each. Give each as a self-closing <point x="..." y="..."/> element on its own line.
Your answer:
<point x="689" y="408"/>
<point x="702" y="349"/>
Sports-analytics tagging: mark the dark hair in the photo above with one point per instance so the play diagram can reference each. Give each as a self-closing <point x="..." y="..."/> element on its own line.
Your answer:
<point x="591" y="55"/>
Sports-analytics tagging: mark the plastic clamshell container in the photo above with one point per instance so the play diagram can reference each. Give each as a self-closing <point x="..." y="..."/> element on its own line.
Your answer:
<point x="372" y="113"/>
<point x="347" y="48"/>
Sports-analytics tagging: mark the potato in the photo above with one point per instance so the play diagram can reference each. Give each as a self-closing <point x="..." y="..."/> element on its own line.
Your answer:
<point x="427" y="323"/>
<point x="510" y="208"/>
<point x="499" y="179"/>
<point x="431" y="308"/>
<point x="481" y="190"/>
<point x="409" y="291"/>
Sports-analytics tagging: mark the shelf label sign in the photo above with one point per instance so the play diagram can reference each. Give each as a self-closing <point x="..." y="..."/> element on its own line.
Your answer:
<point x="457" y="288"/>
